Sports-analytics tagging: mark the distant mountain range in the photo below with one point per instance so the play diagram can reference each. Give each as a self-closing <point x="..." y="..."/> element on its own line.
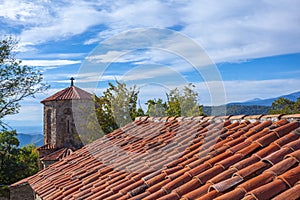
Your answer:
<point x="24" y="139"/>
<point x="252" y="107"/>
<point x="267" y="102"/>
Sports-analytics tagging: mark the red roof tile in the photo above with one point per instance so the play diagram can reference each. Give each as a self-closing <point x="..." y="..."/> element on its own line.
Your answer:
<point x="46" y="147"/>
<point x="58" y="154"/>
<point x="291" y="194"/>
<point x="238" y="157"/>
<point x="70" y="93"/>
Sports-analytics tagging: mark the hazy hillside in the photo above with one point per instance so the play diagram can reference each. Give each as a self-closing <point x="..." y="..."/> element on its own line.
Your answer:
<point x="25" y="139"/>
<point x="267" y="102"/>
<point x="236" y="110"/>
<point x="252" y="107"/>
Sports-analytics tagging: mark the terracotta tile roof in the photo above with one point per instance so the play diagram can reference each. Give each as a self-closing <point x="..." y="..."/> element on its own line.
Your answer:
<point x="255" y="157"/>
<point x="46" y="147"/>
<point x="69" y="93"/>
<point x="58" y="154"/>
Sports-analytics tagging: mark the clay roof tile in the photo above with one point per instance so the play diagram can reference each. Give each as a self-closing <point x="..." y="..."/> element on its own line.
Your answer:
<point x="291" y="177"/>
<point x="269" y="190"/>
<point x="291" y="194"/>
<point x="70" y="93"/>
<point x="229" y="157"/>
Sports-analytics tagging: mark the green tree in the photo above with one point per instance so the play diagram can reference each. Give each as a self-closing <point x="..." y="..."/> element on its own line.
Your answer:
<point x="283" y="106"/>
<point x="117" y="106"/>
<point x="189" y="102"/>
<point x="8" y="156"/>
<point x="183" y="103"/>
<point x="179" y="103"/>
<point x="297" y="106"/>
<point x="17" y="81"/>
<point x="28" y="158"/>
<point x="173" y="103"/>
<point x="156" y="108"/>
<point x="16" y="163"/>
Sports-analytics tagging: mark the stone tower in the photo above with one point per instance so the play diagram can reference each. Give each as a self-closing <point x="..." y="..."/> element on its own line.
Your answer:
<point x="59" y="127"/>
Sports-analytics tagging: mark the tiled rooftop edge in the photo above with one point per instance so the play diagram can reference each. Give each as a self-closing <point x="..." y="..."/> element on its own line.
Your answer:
<point x="46" y="147"/>
<point x="181" y="158"/>
<point x="232" y="118"/>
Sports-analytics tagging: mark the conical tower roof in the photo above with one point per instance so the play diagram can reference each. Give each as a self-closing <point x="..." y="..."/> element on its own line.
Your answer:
<point x="69" y="93"/>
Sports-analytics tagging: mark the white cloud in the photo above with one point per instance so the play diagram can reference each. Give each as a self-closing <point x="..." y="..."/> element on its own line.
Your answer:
<point x="229" y="30"/>
<point x="236" y="30"/>
<point x="150" y="47"/>
<point x="243" y="90"/>
<point x="58" y="56"/>
<point x="151" y="56"/>
<point x="89" y="78"/>
<point x="45" y="63"/>
<point x="20" y="12"/>
<point x="30" y="114"/>
<point x="144" y="14"/>
<point x="34" y="110"/>
<point x="153" y="74"/>
<point x="60" y="20"/>
<point x="110" y="56"/>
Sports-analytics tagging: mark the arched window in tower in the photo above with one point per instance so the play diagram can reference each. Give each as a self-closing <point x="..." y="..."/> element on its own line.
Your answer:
<point x="68" y="127"/>
<point x="48" y="127"/>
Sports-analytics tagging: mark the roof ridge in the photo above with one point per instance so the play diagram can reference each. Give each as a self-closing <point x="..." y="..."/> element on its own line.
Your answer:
<point x="74" y="89"/>
<point x="232" y="118"/>
<point x="64" y="91"/>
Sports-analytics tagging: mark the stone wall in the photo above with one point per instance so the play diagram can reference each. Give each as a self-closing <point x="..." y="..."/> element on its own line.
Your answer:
<point x="59" y="126"/>
<point x="49" y="123"/>
<point x="22" y="192"/>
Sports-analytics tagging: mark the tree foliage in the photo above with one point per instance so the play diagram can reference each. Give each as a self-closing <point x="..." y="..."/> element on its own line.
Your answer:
<point x="17" y="81"/>
<point x="285" y="106"/>
<point x="184" y="103"/>
<point x="179" y="103"/>
<point x="15" y="163"/>
<point x="156" y="108"/>
<point x="173" y="103"/>
<point x="117" y="106"/>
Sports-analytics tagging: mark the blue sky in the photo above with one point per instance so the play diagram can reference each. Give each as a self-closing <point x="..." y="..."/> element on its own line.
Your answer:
<point x="252" y="47"/>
